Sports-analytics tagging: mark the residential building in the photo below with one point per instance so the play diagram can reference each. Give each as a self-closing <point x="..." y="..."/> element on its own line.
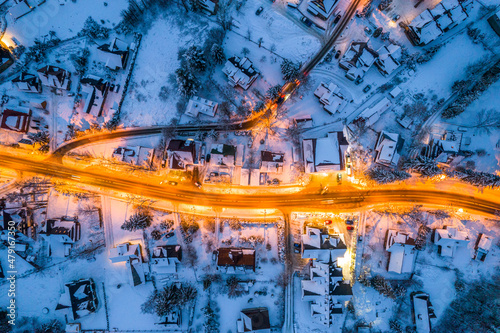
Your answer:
<point x="140" y="156"/>
<point x="94" y="92"/>
<point x="197" y="105"/>
<point x="325" y="154"/>
<point x="388" y="59"/>
<point x="494" y="22"/>
<point x="73" y="328"/>
<point x="28" y="83"/>
<point x="55" y="77"/>
<point x="210" y="6"/>
<point x="322" y="8"/>
<point x="254" y="320"/>
<point x="164" y="259"/>
<point x="423" y="312"/>
<point x="449" y="239"/>
<point x="483" y="246"/>
<point x="233" y="260"/>
<point x="388" y="149"/>
<point x="79" y="299"/>
<point x="60" y="235"/>
<point x="240" y="72"/>
<point x="5" y="58"/>
<point x="357" y="60"/>
<point x="22" y="222"/>
<point x="271" y="162"/>
<point x="435" y="21"/>
<point x="114" y="54"/>
<point x="173" y="319"/>
<point x="402" y="253"/>
<point x="16" y="120"/>
<point x="371" y="114"/>
<point x="131" y="255"/>
<point x="19" y="9"/>
<point x="329" y="95"/>
<point x="320" y="245"/>
<point x="181" y="153"/>
<point x="222" y="154"/>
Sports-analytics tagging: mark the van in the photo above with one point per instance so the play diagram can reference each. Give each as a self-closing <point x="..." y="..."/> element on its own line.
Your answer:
<point x="292" y="5"/>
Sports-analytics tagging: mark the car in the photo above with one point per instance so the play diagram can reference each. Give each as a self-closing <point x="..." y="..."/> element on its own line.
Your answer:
<point x="349" y="170"/>
<point x="296" y="244"/>
<point x="349" y="222"/>
<point x="367" y="88"/>
<point x="337" y="55"/>
<point x="358" y="81"/>
<point x="259" y="10"/>
<point x="337" y="19"/>
<point x="348" y="158"/>
<point x="170" y="234"/>
<point x="306" y="21"/>
<point x="396" y="18"/>
<point x="377" y="32"/>
<point x="292" y="4"/>
<point x="339" y="178"/>
<point x="328" y="222"/>
<point x="197" y="184"/>
<point x="360" y="238"/>
<point x="172" y="183"/>
<point x="350" y="228"/>
<point x="296" y="250"/>
<point x="368" y="31"/>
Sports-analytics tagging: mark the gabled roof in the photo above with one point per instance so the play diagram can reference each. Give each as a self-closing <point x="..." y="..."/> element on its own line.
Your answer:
<point x="233" y="256"/>
<point x="267" y="156"/>
<point x="16" y="120"/>
<point x="255" y="319"/>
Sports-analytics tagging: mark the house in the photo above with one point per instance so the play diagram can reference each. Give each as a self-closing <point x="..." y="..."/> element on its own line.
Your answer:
<point x="240" y="72"/>
<point x="494" y="22"/>
<point x="131" y="255"/>
<point x="94" y="92"/>
<point x="255" y="320"/>
<point x="325" y="154"/>
<point x="140" y="156"/>
<point x="318" y="244"/>
<point x="79" y="299"/>
<point x="22" y="222"/>
<point x="357" y="60"/>
<point x="222" y="154"/>
<point x="19" y="9"/>
<point x="371" y="114"/>
<point x="55" y="77"/>
<point x="164" y="259"/>
<point x="483" y="246"/>
<point x="210" y="6"/>
<point x="435" y="21"/>
<point x="60" y="235"/>
<point x="322" y="8"/>
<point x="73" y="328"/>
<point x="5" y="58"/>
<point x="173" y="319"/>
<point x="197" y="105"/>
<point x="388" y="59"/>
<point x="402" y="253"/>
<point x="271" y="162"/>
<point x="449" y="239"/>
<point x="28" y="83"/>
<point x="114" y="54"/>
<point x="181" y="154"/>
<point x="422" y="311"/>
<point x="235" y="260"/>
<point x="329" y="95"/>
<point x="388" y="149"/>
<point x="16" y="120"/>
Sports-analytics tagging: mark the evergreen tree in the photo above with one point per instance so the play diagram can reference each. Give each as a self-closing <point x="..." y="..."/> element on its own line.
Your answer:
<point x="139" y="220"/>
<point x="187" y="83"/>
<point x="290" y="70"/>
<point x="195" y="59"/>
<point x="274" y="92"/>
<point x="217" y="53"/>
<point x="211" y="324"/>
<point x="93" y="30"/>
<point x="424" y="165"/>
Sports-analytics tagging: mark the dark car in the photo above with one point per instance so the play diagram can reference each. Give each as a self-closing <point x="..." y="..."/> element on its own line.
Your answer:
<point x="337" y="19"/>
<point x="172" y="183"/>
<point x="349" y="222"/>
<point x="350" y="228"/>
<point x="358" y="81"/>
<point x="396" y="18"/>
<point x="296" y="250"/>
<point x="170" y="234"/>
<point x="306" y="21"/>
<point x="197" y="184"/>
<point x="296" y="244"/>
<point x="337" y="55"/>
<point x="259" y="10"/>
<point x="377" y="32"/>
<point x="367" y="88"/>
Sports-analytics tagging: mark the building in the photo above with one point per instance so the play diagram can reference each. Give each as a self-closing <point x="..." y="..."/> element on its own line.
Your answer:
<point x="435" y="21"/>
<point x="210" y="6"/>
<point x="114" y="54"/>
<point x="233" y="260"/>
<point x="483" y="246"/>
<point x="164" y="259"/>
<point x="197" y="105"/>
<point x="22" y="222"/>
<point x="16" y="120"/>
<point x="402" y="253"/>
<point x="79" y="299"/>
<point x="494" y="22"/>
<point x="94" y="92"/>
<point x="5" y="58"/>
<point x="423" y="312"/>
<point x="371" y="114"/>
<point x="60" y="235"/>
<point x="449" y="239"/>
<point x="173" y="320"/>
<point x="240" y="72"/>
<point x="388" y="149"/>
<point x="271" y="162"/>
<point x="322" y="8"/>
<point x="222" y="154"/>
<point x="357" y="60"/>
<point x="19" y="9"/>
<point x="255" y="320"/>
<point x="28" y="83"/>
<point x="55" y="77"/>
<point x="388" y="59"/>
<point x="325" y="154"/>
<point x="140" y="156"/>
<point x="181" y="154"/>
<point x="318" y="244"/>
<point x="329" y="95"/>
<point x="131" y="255"/>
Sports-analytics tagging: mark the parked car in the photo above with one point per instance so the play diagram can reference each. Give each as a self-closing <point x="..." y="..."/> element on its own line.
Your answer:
<point x="172" y="183"/>
<point x="306" y="21"/>
<point x="292" y="4"/>
<point x="377" y="32"/>
<point x="367" y="88"/>
<point x="170" y="234"/>
<point x="259" y="10"/>
<point x="358" y="81"/>
<point x="349" y="170"/>
<point x="337" y="19"/>
<point x="296" y="244"/>
<point x="396" y="18"/>
<point x="296" y="250"/>
<point x="328" y="222"/>
<point x="197" y="184"/>
<point x="349" y="222"/>
<point x="350" y="228"/>
<point x="339" y="178"/>
<point x="337" y="55"/>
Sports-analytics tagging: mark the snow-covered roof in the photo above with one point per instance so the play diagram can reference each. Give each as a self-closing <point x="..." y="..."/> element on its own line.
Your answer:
<point x="240" y="72"/>
<point x="395" y="92"/>
<point x="421" y="309"/>
<point x="319" y="245"/>
<point x="198" y="105"/>
<point x="388" y="147"/>
<point x="124" y="252"/>
<point x="19" y="9"/>
<point x="450" y="238"/>
<point x="484" y="243"/>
